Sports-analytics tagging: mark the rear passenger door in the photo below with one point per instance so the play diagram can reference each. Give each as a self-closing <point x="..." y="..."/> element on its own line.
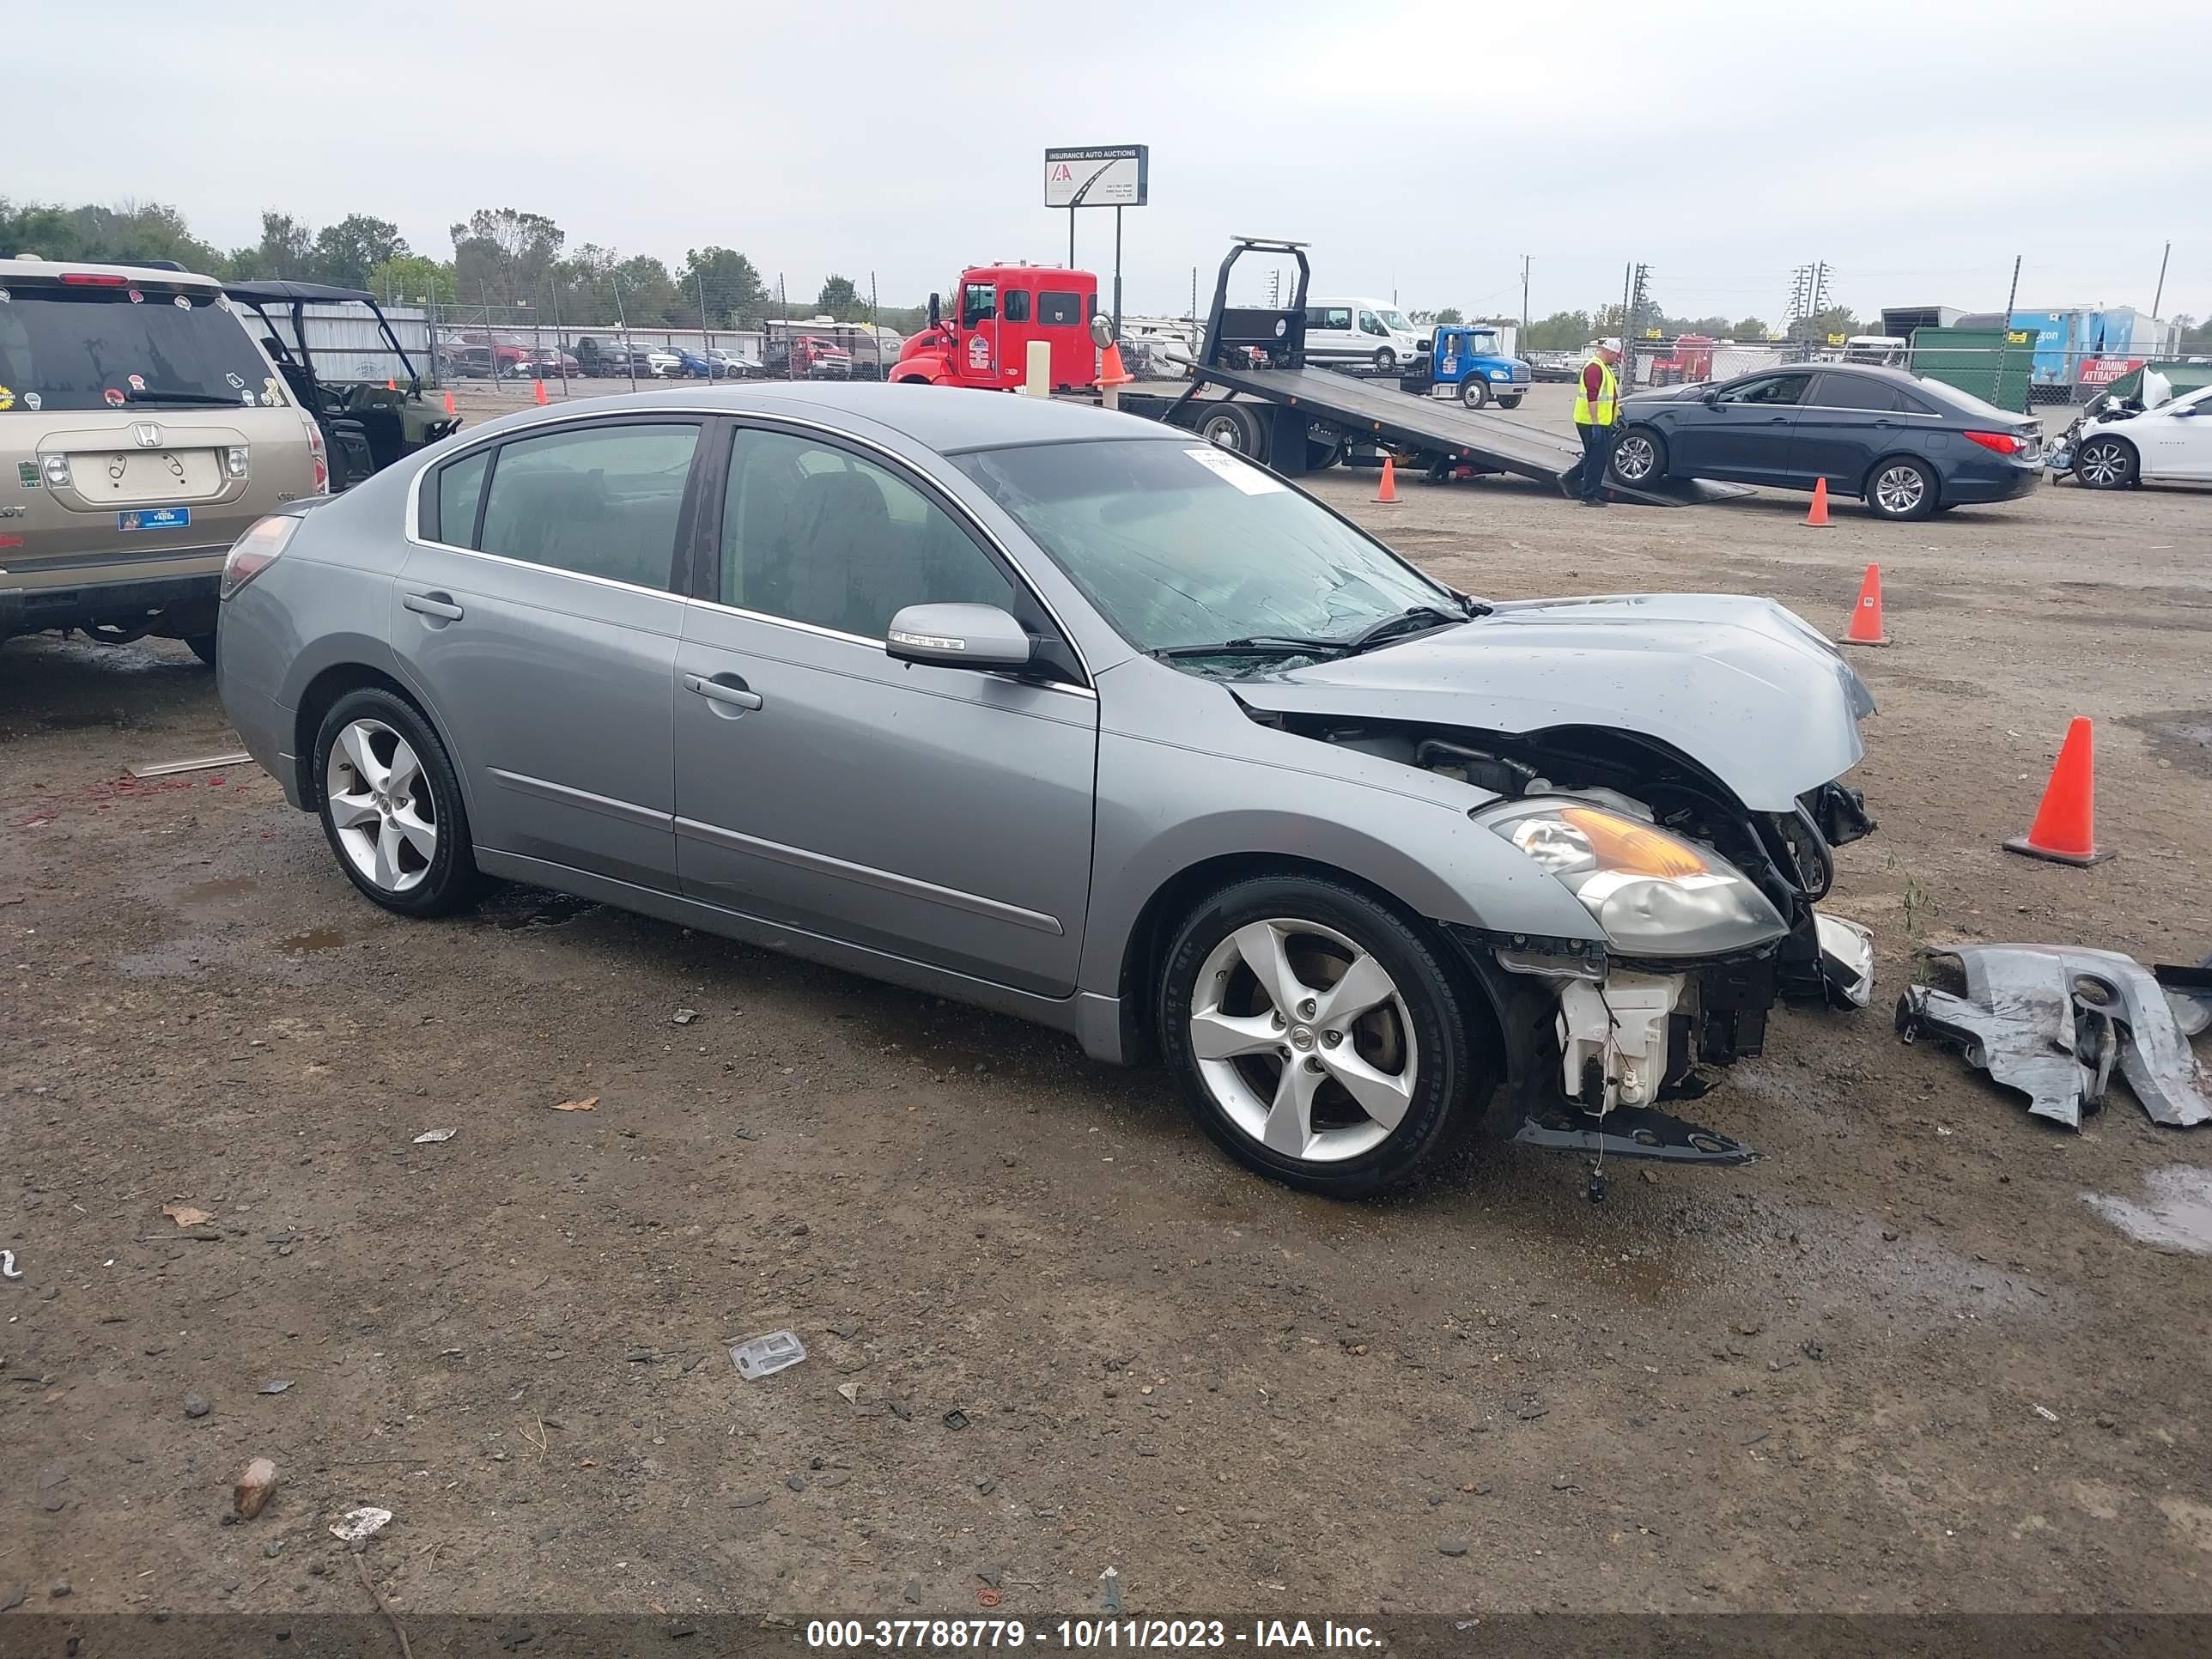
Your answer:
<point x="538" y="619"/>
<point x="1845" y="424"/>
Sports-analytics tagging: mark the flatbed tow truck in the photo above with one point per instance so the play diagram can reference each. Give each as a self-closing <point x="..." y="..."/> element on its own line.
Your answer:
<point x="1251" y="388"/>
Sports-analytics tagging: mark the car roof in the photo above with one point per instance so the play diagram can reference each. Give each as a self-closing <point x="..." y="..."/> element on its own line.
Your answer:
<point x="18" y="269"/>
<point x="275" y="291"/>
<point x="947" y="419"/>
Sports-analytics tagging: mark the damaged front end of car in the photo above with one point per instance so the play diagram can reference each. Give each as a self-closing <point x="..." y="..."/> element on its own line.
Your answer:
<point x="1706" y="911"/>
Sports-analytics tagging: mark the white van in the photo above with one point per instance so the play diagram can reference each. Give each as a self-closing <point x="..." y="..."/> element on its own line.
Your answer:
<point x="1371" y="333"/>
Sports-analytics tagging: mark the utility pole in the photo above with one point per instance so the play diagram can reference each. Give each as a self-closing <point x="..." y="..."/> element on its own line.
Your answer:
<point x="561" y="340"/>
<point x="491" y="345"/>
<point x="706" y="328"/>
<point x="2004" y="339"/>
<point x="1524" y="303"/>
<point x="2160" y="294"/>
<point x="622" y="321"/>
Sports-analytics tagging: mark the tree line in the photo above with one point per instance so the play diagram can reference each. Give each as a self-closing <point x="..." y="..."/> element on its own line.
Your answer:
<point x="514" y="262"/>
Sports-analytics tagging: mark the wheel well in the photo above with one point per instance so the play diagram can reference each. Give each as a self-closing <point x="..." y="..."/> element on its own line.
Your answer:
<point x="1144" y="958"/>
<point x="2121" y="439"/>
<point x="324" y="690"/>
<point x="1934" y="473"/>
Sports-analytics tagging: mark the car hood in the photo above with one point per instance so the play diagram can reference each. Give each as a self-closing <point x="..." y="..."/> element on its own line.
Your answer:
<point x="1740" y="685"/>
<point x="1689" y="392"/>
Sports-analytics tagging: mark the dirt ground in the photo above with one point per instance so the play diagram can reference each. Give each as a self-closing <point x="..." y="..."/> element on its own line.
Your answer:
<point x="1899" y="1365"/>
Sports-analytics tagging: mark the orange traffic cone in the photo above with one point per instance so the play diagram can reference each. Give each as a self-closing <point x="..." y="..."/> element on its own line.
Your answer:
<point x="450" y="409"/>
<point x="541" y="391"/>
<point x="1110" y="372"/>
<point x="1819" y="516"/>
<point x="2065" y="827"/>
<point x="1866" y="615"/>
<point x="1388" y="492"/>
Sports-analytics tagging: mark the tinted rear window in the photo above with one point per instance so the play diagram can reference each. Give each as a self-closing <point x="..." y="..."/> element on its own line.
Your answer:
<point x="98" y="347"/>
<point x="1056" y="309"/>
<point x="1856" y="392"/>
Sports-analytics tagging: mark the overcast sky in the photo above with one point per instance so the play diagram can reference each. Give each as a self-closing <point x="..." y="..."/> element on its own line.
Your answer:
<point x="1420" y="146"/>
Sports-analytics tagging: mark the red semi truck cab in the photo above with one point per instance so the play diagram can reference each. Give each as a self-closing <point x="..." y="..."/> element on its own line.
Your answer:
<point x="982" y="338"/>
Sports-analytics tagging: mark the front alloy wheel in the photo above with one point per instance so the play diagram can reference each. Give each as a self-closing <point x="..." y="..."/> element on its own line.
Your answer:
<point x="1318" y="1038"/>
<point x="2105" y="464"/>
<point x="1636" y="458"/>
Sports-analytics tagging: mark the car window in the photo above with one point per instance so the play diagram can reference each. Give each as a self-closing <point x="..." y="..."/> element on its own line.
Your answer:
<point x="1769" y="389"/>
<point x="1330" y="317"/>
<point x="1369" y="324"/>
<point x="600" y="501"/>
<point x="1858" y="392"/>
<point x="461" y="493"/>
<point x="108" y="347"/>
<point x="1177" y="543"/>
<point x="1017" y="305"/>
<point x="1059" y="308"/>
<point x="814" y="534"/>
<point x="978" y="300"/>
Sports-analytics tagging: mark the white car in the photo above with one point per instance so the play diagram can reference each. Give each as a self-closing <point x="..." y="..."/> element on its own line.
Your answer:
<point x="1362" y="333"/>
<point x="2170" y="443"/>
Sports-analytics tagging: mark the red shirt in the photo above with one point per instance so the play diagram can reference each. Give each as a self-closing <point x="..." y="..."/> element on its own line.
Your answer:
<point x="1593" y="380"/>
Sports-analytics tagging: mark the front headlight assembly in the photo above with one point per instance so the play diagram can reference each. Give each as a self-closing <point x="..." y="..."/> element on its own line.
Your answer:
<point x="1655" y="893"/>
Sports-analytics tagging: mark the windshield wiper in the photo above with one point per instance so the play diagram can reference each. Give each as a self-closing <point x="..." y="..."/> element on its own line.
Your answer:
<point x="1414" y="619"/>
<point x="1259" y="645"/>
<point x="208" y="398"/>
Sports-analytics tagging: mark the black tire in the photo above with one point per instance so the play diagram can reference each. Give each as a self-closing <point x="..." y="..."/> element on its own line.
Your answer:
<point x="202" y="646"/>
<point x="1474" y="391"/>
<point x="1385" y="360"/>
<point x="2115" y="465"/>
<point x="1901" y="489"/>
<point x="1645" y="451"/>
<point x="451" y="880"/>
<point x="1510" y="400"/>
<point x="1322" y="454"/>
<point x="1453" y="1083"/>
<point x="1234" y="426"/>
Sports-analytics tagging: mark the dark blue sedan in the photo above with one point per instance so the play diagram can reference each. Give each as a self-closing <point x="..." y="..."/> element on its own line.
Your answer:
<point x="1908" y="447"/>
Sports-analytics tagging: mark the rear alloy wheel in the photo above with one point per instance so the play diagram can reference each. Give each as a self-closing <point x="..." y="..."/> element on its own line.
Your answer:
<point x="1317" y="1038"/>
<point x="392" y="807"/>
<point x="1234" y="426"/>
<point x="1474" y="391"/>
<point x="1901" y="489"/>
<point x="1640" y="457"/>
<point x="2106" y="463"/>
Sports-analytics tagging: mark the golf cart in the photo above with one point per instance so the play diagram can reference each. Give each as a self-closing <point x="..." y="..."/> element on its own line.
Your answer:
<point x="367" y="422"/>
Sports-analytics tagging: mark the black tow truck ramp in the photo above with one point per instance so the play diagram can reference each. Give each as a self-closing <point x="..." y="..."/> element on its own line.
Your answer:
<point x="1299" y="419"/>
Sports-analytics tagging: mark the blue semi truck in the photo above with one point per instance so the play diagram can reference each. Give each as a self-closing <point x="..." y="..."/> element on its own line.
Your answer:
<point x="1474" y="363"/>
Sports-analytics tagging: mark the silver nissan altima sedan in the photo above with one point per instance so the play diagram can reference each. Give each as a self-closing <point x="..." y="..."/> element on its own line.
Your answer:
<point x="1076" y="717"/>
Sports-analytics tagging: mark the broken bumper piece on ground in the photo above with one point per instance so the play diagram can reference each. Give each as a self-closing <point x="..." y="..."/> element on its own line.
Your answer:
<point x="1627" y="1132"/>
<point x="2054" y="1021"/>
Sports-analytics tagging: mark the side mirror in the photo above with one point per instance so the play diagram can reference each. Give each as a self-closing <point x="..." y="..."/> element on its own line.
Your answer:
<point x="936" y="310"/>
<point x="1711" y="400"/>
<point x="1102" y="331"/>
<point x="958" y="636"/>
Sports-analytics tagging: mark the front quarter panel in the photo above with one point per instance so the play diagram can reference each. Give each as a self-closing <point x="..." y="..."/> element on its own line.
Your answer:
<point x="1185" y="777"/>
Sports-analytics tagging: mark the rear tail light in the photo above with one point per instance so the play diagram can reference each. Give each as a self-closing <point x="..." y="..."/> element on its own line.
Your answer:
<point x="320" y="457"/>
<point x="94" y="279"/>
<point x="256" y="550"/>
<point x="2004" y="443"/>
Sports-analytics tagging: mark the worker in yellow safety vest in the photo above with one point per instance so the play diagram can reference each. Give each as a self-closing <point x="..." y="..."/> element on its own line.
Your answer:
<point x="1597" y="399"/>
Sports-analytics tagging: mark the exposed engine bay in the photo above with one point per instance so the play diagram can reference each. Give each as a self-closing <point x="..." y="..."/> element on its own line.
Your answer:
<point x="1604" y="1034"/>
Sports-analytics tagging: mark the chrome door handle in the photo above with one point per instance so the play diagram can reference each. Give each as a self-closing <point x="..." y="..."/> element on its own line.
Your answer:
<point x="717" y="690"/>
<point x="432" y="604"/>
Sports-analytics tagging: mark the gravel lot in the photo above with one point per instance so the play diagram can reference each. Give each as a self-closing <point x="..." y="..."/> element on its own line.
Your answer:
<point x="1899" y="1365"/>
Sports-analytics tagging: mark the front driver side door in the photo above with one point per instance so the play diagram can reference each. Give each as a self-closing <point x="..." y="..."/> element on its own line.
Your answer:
<point x="1744" y="434"/>
<point x="941" y="815"/>
<point x="2175" y="445"/>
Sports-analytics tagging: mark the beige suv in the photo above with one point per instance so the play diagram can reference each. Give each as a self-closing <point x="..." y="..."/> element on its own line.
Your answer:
<point x="142" y="429"/>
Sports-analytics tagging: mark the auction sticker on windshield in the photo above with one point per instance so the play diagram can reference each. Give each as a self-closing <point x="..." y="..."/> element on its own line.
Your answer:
<point x="1249" y="479"/>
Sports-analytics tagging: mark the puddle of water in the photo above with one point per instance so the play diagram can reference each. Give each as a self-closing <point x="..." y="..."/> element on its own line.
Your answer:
<point x="2175" y="1214"/>
<point x="315" y="938"/>
<point x="207" y="892"/>
<point x="520" y="908"/>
